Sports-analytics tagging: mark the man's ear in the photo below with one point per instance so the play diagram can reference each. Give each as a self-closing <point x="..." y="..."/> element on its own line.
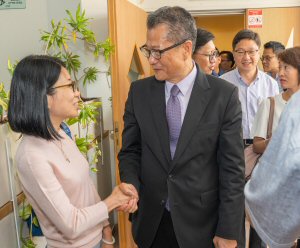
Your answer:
<point x="188" y="47"/>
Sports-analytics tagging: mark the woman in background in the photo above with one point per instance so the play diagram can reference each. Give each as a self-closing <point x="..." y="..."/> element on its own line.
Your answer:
<point x="289" y="74"/>
<point x="53" y="173"/>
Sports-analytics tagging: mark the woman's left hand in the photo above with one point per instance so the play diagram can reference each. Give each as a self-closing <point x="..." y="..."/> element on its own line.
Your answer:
<point x="107" y="235"/>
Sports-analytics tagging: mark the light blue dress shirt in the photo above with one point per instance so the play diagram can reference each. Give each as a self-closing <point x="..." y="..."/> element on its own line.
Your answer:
<point x="185" y="86"/>
<point x="251" y="95"/>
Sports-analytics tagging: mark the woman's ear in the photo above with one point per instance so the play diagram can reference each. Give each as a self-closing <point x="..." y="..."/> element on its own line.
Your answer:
<point x="50" y="101"/>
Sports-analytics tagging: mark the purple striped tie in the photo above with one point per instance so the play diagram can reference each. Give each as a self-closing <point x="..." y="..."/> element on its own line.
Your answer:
<point x="174" y="118"/>
<point x="174" y="123"/>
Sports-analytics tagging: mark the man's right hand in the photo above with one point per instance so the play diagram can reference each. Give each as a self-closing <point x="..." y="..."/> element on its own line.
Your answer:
<point x="131" y="205"/>
<point x="117" y="198"/>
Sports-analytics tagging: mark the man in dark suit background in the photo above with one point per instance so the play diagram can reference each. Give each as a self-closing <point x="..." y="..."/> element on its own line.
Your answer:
<point x="182" y="146"/>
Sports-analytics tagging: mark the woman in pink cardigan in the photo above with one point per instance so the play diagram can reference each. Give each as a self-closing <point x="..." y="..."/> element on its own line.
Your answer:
<point x="54" y="174"/>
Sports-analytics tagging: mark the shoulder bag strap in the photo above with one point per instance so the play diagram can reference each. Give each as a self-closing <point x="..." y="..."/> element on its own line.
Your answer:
<point x="271" y="117"/>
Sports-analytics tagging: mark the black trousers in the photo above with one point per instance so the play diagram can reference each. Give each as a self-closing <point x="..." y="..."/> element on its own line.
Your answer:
<point x="254" y="240"/>
<point x="165" y="236"/>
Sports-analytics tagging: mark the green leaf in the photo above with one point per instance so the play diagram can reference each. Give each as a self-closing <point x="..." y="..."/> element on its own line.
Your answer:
<point x="79" y="23"/>
<point x="72" y="62"/>
<point x="88" y="113"/>
<point x="11" y="67"/>
<point x="72" y="121"/>
<point x="4" y="98"/>
<point x="80" y="141"/>
<point x="82" y="145"/>
<point x="107" y="47"/>
<point x="25" y="212"/>
<point x="35" y="221"/>
<point x="28" y="243"/>
<point x="94" y="169"/>
<point x="56" y="38"/>
<point x="90" y="75"/>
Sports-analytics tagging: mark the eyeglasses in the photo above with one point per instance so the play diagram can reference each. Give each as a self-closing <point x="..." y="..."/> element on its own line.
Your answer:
<point x="156" y="53"/>
<point x="242" y="53"/>
<point x="73" y="85"/>
<point x="211" y="56"/>
<point x="267" y="58"/>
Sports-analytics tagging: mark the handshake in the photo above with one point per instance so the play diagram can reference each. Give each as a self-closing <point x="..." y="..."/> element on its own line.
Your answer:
<point x="124" y="197"/>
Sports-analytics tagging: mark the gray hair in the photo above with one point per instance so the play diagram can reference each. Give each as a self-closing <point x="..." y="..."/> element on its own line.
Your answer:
<point x="180" y="22"/>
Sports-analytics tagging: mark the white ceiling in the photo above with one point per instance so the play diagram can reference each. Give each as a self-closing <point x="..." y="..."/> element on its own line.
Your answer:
<point x="197" y="6"/>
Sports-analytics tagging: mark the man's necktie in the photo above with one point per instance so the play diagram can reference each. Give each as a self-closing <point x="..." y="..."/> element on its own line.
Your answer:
<point x="174" y="123"/>
<point x="174" y="118"/>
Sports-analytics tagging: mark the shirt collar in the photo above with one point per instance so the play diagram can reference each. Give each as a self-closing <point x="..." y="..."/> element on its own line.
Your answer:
<point x="185" y="83"/>
<point x="258" y="75"/>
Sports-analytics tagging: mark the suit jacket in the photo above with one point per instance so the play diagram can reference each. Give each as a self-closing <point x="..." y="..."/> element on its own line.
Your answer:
<point x="204" y="181"/>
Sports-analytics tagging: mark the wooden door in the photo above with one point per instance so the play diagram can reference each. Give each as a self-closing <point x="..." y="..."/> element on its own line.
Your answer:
<point x="127" y="26"/>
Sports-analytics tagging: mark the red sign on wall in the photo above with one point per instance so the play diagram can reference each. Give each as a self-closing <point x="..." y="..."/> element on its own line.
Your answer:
<point x="255" y="18"/>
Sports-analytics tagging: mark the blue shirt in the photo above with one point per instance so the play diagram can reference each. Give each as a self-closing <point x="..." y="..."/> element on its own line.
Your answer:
<point x="66" y="129"/>
<point x="251" y="95"/>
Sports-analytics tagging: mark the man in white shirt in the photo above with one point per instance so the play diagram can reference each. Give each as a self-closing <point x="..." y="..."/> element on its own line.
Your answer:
<point x="254" y="86"/>
<point x="270" y="61"/>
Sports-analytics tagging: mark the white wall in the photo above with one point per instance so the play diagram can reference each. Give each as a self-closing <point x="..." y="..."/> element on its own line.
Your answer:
<point x="102" y="88"/>
<point x="19" y="31"/>
<point x="20" y="36"/>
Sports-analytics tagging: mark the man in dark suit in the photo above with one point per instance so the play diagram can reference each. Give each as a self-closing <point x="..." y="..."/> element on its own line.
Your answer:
<point x="182" y="146"/>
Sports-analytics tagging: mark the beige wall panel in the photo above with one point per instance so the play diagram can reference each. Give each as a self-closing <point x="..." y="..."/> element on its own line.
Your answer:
<point x="223" y="27"/>
<point x="278" y="24"/>
<point x="127" y="31"/>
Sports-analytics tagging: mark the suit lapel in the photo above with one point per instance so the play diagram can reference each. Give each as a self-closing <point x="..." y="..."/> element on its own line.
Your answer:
<point x="197" y="104"/>
<point x="159" y="116"/>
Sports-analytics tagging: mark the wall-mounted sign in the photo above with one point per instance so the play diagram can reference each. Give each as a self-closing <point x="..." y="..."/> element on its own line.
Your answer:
<point x="12" y="4"/>
<point x="255" y="18"/>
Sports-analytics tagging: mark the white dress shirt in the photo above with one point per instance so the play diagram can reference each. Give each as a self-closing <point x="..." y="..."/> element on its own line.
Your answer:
<point x="251" y="95"/>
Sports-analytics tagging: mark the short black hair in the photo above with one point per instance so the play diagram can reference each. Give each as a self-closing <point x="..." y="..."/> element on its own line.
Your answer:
<point x="33" y="79"/>
<point x="276" y="46"/>
<point x="203" y="36"/>
<point x="248" y="35"/>
<point x="229" y="56"/>
<point x="180" y="22"/>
